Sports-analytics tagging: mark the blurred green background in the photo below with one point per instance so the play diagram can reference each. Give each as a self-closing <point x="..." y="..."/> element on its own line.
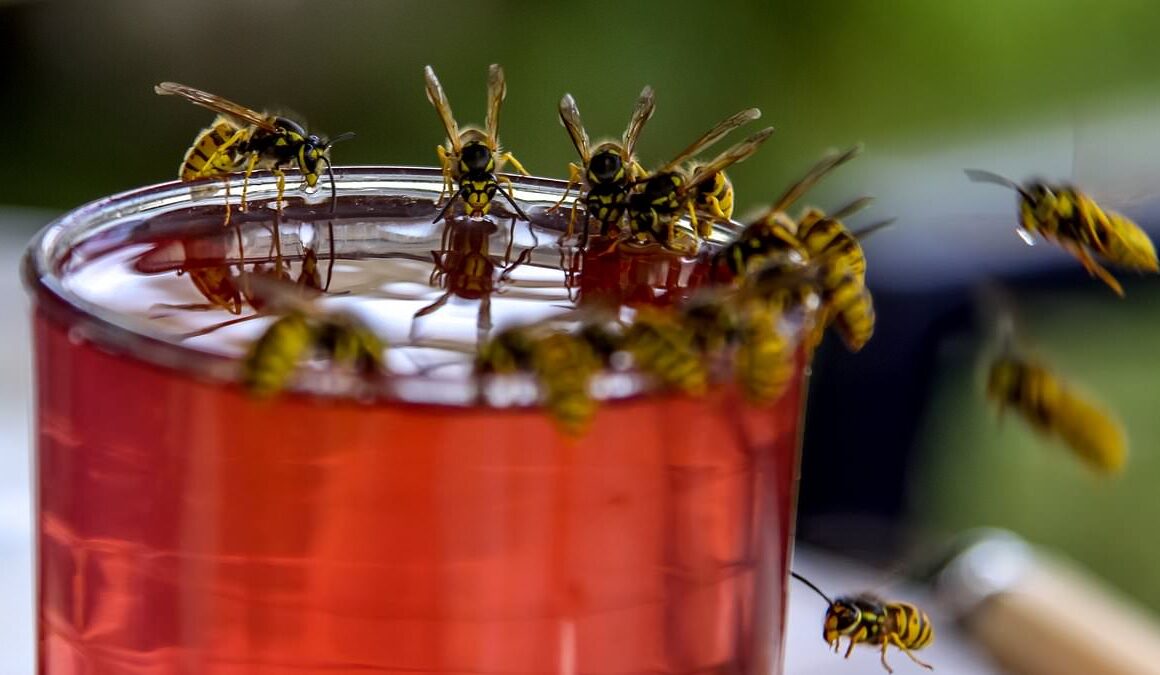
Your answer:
<point x="926" y="85"/>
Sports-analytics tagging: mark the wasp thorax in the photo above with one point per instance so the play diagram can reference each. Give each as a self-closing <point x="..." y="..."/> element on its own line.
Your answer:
<point x="290" y="127"/>
<point x="606" y="167"/>
<point x="476" y="157"/>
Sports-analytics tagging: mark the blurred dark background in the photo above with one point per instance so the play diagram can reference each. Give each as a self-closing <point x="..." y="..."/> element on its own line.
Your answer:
<point x="900" y="449"/>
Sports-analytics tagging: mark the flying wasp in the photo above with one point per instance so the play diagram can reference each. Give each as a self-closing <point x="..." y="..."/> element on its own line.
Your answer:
<point x="1050" y="404"/>
<point x="867" y="619"/>
<point x="607" y="171"/>
<point x="659" y="200"/>
<point x="472" y="157"/>
<point x="1062" y="214"/>
<point x="303" y="330"/>
<point x="241" y="139"/>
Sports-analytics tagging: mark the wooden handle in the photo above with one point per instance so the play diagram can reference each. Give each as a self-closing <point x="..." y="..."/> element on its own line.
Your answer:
<point x="1058" y="620"/>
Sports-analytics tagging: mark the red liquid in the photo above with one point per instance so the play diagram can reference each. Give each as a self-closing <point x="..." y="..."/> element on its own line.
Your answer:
<point x="187" y="528"/>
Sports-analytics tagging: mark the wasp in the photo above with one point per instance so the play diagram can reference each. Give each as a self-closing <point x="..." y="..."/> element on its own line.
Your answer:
<point x="241" y="139"/>
<point x="661" y="198"/>
<point x="865" y="618"/>
<point x="1064" y="215"/>
<point x="775" y="232"/>
<point x="607" y="171"/>
<point x="1054" y="407"/>
<point x="825" y="281"/>
<point x="724" y="322"/>
<point x="665" y="347"/>
<point x="303" y="330"/>
<point x="562" y="361"/>
<point x="763" y="363"/>
<point x="472" y="157"/>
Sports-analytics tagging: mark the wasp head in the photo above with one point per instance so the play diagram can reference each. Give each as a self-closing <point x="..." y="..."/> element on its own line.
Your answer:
<point x="311" y="152"/>
<point x="842" y="618"/>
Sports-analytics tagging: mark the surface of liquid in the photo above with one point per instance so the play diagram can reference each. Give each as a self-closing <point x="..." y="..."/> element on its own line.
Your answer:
<point x="185" y="527"/>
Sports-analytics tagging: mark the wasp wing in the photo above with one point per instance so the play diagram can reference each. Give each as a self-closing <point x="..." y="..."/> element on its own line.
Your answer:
<point x="735" y="154"/>
<point x="570" y="118"/>
<point x="816" y="173"/>
<point x="641" y="113"/>
<point x="496" y="92"/>
<point x="712" y="136"/>
<point x="438" y="99"/>
<point x="217" y="104"/>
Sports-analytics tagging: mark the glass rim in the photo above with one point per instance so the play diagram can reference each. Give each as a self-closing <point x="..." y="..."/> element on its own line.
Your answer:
<point x="115" y="332"/>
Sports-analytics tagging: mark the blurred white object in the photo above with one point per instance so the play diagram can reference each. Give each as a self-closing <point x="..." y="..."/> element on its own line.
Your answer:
<point x="1040" y="615"/>
<point x="17" y="618"/>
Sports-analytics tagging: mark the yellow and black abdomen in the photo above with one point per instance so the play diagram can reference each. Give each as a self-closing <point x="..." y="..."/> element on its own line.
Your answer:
<point x="848" y="304"/>
<point x="217" y="151"/>
<point x="662" y="346"/>
<point x="764" y="360"/>
<point x="828" y="238"/>
<point x="1052" y="406"/>
<point x="909" y="624"/>
<point x="564" y="365"/>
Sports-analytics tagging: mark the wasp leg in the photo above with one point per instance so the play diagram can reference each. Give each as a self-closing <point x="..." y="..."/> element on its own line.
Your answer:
<point x="281" y="188"/>
<point x="483" y="321"/>
<point x="693" y="218"/>
<point x="587" y="225"/>
<point x="218" y="326"/>
<point x="229" y="209"/>
<point x="276" y="234"/>
<point x="885" y="644"/>
<point x="898" y="643"/>
<point x="509" y="157"/>
<point x="189" y="307"/>
<point x="849" y="650"/>
<point x="427" y="310"/>
<point x="511" y="241"/>
<point x="575" y="175"/>
<point x="437" y="270"/>
<point x="510" y="196"/>
<point x="330" y="263"/>
<point x="521" y="259"/>
<point x="1097" y="270"/>
<point x="445" y="165"/>
<point x="714" y="208"/>
<point x="250" y="164"/>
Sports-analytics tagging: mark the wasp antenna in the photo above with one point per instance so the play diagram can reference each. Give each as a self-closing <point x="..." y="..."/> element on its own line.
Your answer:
<point x="864" y="232"/>
<point x="345" y="136"/>
<point x="847" y="210"/>
<point x="443" y="211"/>
<point x="514" y="205"/>
<point x="809" y="583"/>
<point x="982" y="176"/>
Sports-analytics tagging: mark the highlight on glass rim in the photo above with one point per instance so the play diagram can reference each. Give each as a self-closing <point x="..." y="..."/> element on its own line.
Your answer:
<point x="774" y="361"/>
